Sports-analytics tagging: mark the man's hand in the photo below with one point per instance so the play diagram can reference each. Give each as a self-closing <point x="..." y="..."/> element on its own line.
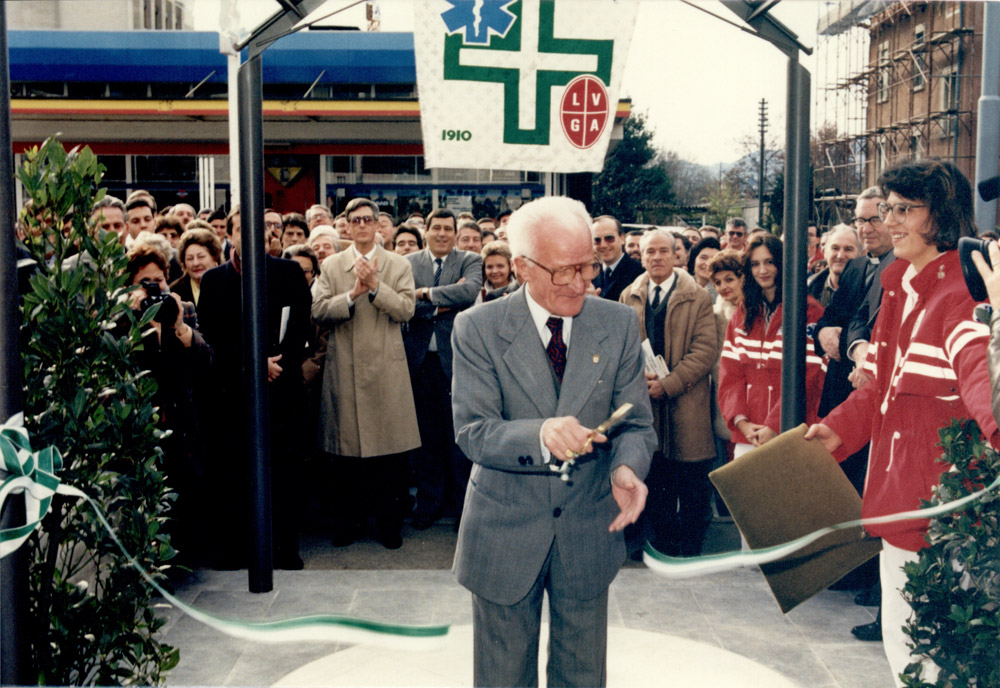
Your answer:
<point x="273" y="369"/>
<point x="858" y="377"/>
<point x="566" y="439"/>
<point x="366" y="273"/>
<point x="990" y="275"/>
<point x="630" y="495"/>
<point x="828" y="438"/>
<point x="829" y="339"/>
<point x="654" y="386"/>
<point x="357" y="290"/>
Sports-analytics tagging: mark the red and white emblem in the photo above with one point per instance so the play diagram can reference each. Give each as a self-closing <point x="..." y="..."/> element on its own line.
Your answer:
<point x="585" y="110"/>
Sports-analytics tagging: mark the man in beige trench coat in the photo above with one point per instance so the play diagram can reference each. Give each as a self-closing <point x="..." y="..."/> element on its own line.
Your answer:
<point x="675" y="315"/>
<point x="363" y="295"/>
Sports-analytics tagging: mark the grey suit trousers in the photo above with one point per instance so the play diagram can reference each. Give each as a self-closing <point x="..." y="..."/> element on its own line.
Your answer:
<point x="505" y="652"/>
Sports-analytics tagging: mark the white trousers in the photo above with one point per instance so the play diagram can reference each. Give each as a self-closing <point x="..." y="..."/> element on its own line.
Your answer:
<point x="896" y="612"/>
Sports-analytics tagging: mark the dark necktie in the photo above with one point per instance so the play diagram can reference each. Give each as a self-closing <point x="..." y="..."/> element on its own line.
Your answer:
<point x="557" y="347"/>
<point x="656" y="296"/>
<point x="437" y="271"/>
<point x="607" y="275"/>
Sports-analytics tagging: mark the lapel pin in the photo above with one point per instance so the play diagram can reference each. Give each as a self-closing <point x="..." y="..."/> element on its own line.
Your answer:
<point x="597" y="359"/>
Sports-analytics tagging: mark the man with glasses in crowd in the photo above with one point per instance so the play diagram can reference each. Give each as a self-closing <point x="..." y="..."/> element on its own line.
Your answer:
<point x="447" y="281"/>
<point x="842" y="334"/>
<point x="535" y="372"/>
<point x="618" y="270"/>
<point x="736" y="234"/>
<point x="367" y="419"/>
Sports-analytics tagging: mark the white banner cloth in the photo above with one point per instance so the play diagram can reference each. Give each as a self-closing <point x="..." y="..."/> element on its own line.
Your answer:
<point x="528" y="85"/>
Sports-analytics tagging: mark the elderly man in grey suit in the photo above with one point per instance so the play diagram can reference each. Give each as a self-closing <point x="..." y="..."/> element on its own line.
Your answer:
<point x="534" y="374"/>
<point x="447" y="281"/>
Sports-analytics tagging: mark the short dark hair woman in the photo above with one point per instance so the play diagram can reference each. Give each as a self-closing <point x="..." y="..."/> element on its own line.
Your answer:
<point x="928" y="364"/>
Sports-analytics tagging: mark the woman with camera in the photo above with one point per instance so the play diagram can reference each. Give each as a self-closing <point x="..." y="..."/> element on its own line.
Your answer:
<point x="179" y="359"/>
<point x="928" y="366"/>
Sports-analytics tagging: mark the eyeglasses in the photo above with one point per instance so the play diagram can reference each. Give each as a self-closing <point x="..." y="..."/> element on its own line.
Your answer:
<point x="734" y="234"/>
<point x="873" y="220"/>
<point x="609" y="239"/>
<point x="278" y="224"/>
<point x="899" y="210"/>
<point x="362" y="219"/>
<point x="564" y="275"/>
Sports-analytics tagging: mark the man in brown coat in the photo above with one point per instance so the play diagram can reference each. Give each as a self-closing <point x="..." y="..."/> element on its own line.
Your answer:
<point x="675" y="315"/>
<point x="367" y="418"/>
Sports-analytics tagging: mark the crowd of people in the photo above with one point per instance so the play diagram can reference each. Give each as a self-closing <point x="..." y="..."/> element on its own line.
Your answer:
<point x="360" y="359"/>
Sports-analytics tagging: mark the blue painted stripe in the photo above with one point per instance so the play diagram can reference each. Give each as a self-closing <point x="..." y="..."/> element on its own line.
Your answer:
<point x="189" y="56"/>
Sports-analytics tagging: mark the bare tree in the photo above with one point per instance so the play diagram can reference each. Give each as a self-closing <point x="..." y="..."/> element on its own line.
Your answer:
<point x="743" y="177"/>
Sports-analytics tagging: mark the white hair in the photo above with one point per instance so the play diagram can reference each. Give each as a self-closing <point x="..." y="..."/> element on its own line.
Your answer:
<point x="157" y="241"/>
<point x="527" y="222"/>
<point x="657" y="232"/>
<point x="324" y="230"/>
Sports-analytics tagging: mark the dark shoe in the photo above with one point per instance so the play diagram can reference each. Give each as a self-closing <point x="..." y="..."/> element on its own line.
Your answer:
<point x="423" y="521"/>
<point x="289" y="562"/>
<point x="872" y="597"/>
<point x="391" y="540"/>
<point x="868" y="632"/>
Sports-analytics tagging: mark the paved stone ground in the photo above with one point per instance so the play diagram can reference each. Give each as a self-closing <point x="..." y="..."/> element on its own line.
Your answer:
<point x="811" y="646"/>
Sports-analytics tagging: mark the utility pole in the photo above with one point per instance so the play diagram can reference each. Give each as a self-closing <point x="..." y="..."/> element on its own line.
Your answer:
<point x="761" y="174"/>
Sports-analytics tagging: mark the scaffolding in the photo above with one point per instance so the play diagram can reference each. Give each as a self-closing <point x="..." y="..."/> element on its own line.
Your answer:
<point x="900" y="83"/>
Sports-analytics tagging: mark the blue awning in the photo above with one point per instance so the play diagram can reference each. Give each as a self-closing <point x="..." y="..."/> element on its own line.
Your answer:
<point x="189" y="56"/>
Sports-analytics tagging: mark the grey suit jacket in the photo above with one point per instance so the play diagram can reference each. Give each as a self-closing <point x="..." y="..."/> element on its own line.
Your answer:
<point x="502" y="391"/>
<point x="454" y="297"/>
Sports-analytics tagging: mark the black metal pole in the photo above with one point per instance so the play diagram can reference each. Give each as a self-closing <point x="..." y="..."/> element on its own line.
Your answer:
<point x="14" y="654"/>
<point x="255" y="351"/>
<point x="793" y="360"/>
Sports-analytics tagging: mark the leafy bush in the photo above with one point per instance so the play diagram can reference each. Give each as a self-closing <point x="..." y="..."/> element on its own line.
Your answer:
<point x="954" y="587"/>
<point x="92" y="615"/>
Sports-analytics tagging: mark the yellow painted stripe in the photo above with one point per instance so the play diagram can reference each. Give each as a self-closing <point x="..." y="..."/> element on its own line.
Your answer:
<point x="220" y="108"/>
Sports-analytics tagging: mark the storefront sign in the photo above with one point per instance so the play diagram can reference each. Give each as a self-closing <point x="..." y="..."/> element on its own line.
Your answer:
<point x="520" y="84"/>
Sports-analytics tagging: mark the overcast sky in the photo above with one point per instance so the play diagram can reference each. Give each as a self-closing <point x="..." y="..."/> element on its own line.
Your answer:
<point x="698" y="79"/>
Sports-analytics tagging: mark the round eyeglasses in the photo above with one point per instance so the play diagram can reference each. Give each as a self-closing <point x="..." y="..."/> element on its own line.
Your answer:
<point x="898" y="210"/>
<point x="564" y="275"/>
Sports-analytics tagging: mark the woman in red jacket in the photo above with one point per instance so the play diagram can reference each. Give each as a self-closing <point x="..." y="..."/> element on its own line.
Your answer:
<point x="928" y="361"/>
<point x="750" y="371"/>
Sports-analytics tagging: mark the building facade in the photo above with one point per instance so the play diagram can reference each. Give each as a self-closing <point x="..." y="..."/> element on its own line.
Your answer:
<point x="904" y="85"/>
<point x="341" y="119"/>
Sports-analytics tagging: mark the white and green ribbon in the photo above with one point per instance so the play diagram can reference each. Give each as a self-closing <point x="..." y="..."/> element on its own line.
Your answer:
<point x="35" y="475"/>
<point x="691" y="567"/>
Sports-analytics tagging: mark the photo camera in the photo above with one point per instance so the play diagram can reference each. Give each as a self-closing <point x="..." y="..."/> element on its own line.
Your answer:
<point x="988" y="190"/>
<point x="154" y="295"/>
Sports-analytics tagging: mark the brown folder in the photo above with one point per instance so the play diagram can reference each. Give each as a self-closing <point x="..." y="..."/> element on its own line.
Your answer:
<point x="788" y="488"/>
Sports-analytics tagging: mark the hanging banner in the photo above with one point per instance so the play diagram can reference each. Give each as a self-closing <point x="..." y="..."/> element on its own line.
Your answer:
<point x="520" y="84"/>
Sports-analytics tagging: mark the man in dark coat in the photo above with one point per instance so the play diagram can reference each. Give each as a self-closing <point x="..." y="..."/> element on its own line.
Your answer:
<point x="617" y="269"/>
<point x="220" y="313"/>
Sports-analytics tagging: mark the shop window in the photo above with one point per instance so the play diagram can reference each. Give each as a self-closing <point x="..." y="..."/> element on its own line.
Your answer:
<point x="165" y="168"/>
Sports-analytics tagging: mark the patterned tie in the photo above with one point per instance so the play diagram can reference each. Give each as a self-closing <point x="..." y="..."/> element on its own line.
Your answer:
<point x="656" y="297"/>
<point x="437" y="271"/>
<point x="557" y="347"/>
